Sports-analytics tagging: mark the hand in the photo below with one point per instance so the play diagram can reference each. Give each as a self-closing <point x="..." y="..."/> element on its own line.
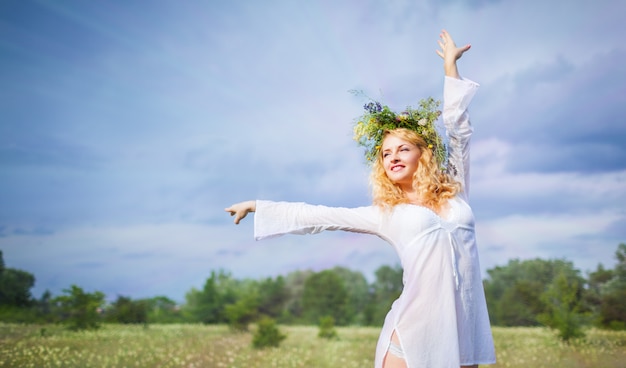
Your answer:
<point x="450" y="53"/>
<point x="240" y="210"/>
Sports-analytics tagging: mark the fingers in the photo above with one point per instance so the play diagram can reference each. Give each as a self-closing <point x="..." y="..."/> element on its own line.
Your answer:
<point x="448" y="49"/>
<point x="461" y="50"/>
<point x="446" y="38"/>
<point x="240" y="216"/>
<point x="442" y="48"/>
<point x="446" y="44"/>
<point x="234" y="212"/>
<point x="239" y="213"/>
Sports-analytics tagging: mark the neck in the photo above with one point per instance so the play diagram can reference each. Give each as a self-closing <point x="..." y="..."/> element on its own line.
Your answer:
<point x="412" y="195"/>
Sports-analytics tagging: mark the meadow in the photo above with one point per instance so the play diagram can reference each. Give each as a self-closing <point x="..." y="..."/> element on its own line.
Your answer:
<point x="216" y="346"/>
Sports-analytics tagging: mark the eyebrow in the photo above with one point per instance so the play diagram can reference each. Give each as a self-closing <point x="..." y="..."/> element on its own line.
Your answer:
<point x="400" y="146"/>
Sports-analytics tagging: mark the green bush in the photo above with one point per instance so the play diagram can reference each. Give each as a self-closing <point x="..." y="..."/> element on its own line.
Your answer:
<point x="267" y="334"/>
<point x="327" y="328"/>
<point x="80" y="310"/>
<point x="563" y="308"/>
<point x="127" y="311"/>
<point x="11" y="314"/>
<point x="240" y="314"/>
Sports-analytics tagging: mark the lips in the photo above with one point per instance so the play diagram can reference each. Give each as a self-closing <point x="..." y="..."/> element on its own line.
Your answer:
<point x="397" y="167"/>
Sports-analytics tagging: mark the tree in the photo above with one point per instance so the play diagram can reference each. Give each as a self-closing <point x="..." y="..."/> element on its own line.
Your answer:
<point x="595" y="284"/>
<point x="243" y="312"/>
<point x="358" y="294"/>
<point x="273" y="296"/>
<point x="386" y="288"/>
<point x="325" y="295"/>
<point x="80" y="310"/>
<point x="294" y="283"/>
<point x="162" y="309"/>
<point x="127" y="311"/>
<point x="15" y="286"/>
<point x="592" y="296"/>
<point x="207" y="305"/>
<point x="563" y="307"/>
<point x="620" y="268"/>
<point x="613" y="294"/>
<point x="45" y="307"/>
<point x="613" y="309"/>
<point x="514" y="292"/>
<point x="521" y="303"/>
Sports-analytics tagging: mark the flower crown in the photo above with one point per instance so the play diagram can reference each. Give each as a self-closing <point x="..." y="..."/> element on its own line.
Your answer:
<point x="370" y="127"/>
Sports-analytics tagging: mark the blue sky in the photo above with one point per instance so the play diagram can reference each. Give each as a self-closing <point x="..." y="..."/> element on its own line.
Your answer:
<point x="126" y="127"/>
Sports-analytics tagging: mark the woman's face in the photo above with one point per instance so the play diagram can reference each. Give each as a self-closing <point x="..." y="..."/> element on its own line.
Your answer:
<point x="400" y="160"/>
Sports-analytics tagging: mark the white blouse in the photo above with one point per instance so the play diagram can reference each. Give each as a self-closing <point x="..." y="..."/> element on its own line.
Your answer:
<point x="441" y="316"/>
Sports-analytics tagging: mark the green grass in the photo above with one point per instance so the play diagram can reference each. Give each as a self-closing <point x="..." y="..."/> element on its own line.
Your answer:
<point x="216" y="346"/>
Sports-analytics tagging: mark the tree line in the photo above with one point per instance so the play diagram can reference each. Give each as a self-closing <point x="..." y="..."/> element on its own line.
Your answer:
<point x="520" y="293"/>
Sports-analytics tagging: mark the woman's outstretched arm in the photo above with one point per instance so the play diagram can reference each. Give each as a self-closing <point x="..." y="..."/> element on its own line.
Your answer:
<point x="450" y="53"/>
<point x="279" y="218"/>
<point x="241" y="209"/>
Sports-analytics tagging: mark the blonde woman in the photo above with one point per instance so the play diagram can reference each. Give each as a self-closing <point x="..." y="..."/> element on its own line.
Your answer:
<point x="440" y="320"/>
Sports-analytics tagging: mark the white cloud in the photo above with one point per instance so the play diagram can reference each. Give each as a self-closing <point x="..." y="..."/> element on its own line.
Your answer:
<point x="552" y="236"/>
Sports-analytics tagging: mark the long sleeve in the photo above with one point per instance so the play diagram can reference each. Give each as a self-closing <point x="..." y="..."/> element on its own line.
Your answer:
<point x="457" y="95"/>
<point x="277" y="218"/>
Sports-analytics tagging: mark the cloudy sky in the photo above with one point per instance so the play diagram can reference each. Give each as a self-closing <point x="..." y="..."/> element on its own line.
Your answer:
<point x="126" y="127"/>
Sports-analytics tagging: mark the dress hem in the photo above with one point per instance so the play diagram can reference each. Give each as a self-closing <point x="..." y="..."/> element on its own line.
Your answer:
<point x="480" y="363"/>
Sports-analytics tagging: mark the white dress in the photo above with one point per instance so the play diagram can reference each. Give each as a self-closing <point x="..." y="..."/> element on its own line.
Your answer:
<point x="441" y="316"/>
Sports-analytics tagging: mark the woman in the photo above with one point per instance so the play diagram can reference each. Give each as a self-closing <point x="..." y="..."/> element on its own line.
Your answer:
<point x="440" y="319"/>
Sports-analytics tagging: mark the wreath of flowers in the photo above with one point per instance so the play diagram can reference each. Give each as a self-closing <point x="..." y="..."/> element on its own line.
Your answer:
<point x="370" y="127"/>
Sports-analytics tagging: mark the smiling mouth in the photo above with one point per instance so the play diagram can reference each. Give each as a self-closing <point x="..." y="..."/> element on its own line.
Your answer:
<point x="397" y="168"/>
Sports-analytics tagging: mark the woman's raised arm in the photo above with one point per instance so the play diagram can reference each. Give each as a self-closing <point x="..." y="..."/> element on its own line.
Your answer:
<point x="457" y="95"/>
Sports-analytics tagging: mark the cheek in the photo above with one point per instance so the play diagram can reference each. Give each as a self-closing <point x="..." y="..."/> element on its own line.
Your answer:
<point x="416" y="159"/>
<point x="385" y="163"/>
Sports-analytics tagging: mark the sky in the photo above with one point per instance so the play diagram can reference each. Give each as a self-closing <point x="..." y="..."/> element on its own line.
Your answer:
<point x="126" y="128"/>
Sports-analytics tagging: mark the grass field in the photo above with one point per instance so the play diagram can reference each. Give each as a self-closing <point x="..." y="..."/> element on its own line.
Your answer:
<point x="216" y="346"/>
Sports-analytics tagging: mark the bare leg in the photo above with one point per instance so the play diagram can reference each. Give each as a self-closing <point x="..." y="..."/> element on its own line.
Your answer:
<point x="392" y="361"/>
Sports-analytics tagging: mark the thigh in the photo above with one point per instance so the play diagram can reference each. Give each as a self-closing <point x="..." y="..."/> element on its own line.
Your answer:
<point x="392" y="361"/>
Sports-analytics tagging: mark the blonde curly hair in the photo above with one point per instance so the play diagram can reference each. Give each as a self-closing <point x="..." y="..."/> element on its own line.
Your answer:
<point x="434" y="185"/>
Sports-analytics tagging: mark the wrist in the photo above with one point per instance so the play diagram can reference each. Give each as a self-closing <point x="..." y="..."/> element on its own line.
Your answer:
<point x="451" y="70"/>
